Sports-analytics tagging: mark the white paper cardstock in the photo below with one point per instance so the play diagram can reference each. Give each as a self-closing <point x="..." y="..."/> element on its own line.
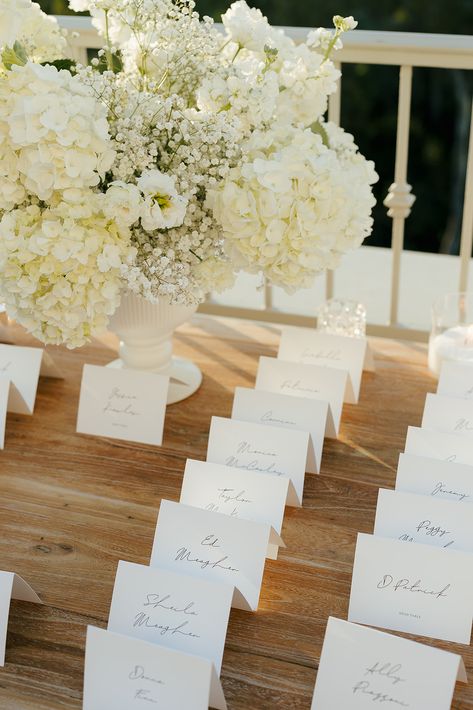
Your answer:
<point x="315" y="347"/>
<point x="282" y="410"/>
<point x="415" y="588"/>
<point x="4" y="390"/>
<point x="448" y="414"/>
<point x="423" y="519"/>
<point x="125" y="673"/>
<point x="238" y="493"/>
<point x="208" y="545"/>
<point x="439" y="445"/>
<point x="185" y="613"/>
<point x="12" y="586"/>
<point x="246" y="446"/>
<point x="361" y="668"/>
<point x="123" y="404"/>
<point x="442" y="480"/>
<point x="21" y="366"/>
<point x="49" y="367"/>
<point x="456" y="380"/>
<point x="312" y="381"/>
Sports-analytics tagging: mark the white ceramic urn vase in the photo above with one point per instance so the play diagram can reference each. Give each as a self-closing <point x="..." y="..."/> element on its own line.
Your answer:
<point x="145" y="330"/>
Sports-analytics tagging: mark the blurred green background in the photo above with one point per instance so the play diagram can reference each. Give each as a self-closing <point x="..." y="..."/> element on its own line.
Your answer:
<point x="441" y="105"/>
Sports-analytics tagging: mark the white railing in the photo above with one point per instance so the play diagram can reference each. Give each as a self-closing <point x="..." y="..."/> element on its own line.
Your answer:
<point x="408" y="51"/>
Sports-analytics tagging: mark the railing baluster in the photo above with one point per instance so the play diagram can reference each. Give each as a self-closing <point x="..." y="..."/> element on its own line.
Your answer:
<point x="399" y="199"/>
<point x="466" y="242"/>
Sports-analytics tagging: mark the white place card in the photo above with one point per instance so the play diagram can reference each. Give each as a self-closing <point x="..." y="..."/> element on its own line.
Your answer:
<point x="12" y="586"/>
<point x="123" y="404"/>
<point x="324" y="383"/>
<point x="443" y="480"/>
<point x="456" y="380"/>
<point x="448" y="414"/>
<point x="362" y="668"/>
<point x="212" y="546"/>
<point x="255" y="447"/>
<point x="423" y="519"/>
<point x="49" y="367"/>
<point x="238" y="493"/>
<point x="282" y="410"/>
<point x="315" y="347"/>
<point x="22" y="366"/>
<point x="174" y="610"/>
<point x="125" y="673"/>
<point x="414" y="588"/>
<point x="4" y="391"/>
<point x="439" y="445"/>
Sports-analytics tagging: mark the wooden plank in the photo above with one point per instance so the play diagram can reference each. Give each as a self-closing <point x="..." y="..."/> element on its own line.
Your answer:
<point x="71" y="506"/>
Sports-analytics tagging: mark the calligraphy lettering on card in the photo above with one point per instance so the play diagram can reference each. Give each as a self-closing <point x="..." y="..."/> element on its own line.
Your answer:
<point x="212" y="546"/>
<point x="439" y="445"/>
<point x="246" y="446"/>
<point x="442" y="480"/>
<point x="284" y="411"/>
<point x="123" y="404"/>
<point x="315" y="347"/>
<point x="360" y="668"/>
<point x="184" y="613"/>
<point x="412" y="587"/>
<point x="448" y="414"/>
<point x="124" y="673"/>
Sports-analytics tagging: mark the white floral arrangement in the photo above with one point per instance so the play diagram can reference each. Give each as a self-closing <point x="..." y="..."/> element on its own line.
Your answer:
<point x="180" y="156"/>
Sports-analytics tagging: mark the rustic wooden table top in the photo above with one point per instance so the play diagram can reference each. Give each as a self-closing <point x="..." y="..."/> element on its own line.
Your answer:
<point x="71" y="506"/>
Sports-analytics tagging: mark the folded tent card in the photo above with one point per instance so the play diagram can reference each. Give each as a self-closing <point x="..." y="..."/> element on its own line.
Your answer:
<point x="315" y="347"/>
<point x="362" y="668"/>
<point x="443" y="446"/>
<point x="123" y="404"/>
<point x="442" y="480"/>
<point x="426" y="520"/>
<point x="21" y="367"/>
<point x="246" y="446"/>
<point x="12" y="586"/>
<point x="187" y="614"/>
<point x="282" y="410"/>
<point x="456" y="380"/>
<point x="448" y="414"/>
<point x="124" y="673"/>
<point x="212" y="546"/>
<point x="238" y="493"/>
<point x="312" y="381"/>
<point x="413" y="588"/>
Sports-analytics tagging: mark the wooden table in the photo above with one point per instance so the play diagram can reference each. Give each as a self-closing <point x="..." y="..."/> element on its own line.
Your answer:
<point x="71" y="506"/>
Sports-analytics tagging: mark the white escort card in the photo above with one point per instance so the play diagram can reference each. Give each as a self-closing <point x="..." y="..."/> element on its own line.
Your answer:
<point x="443" y="480"/>
<point x="256" y="447"/>
<point x="456" y="380"/>
<point x="174" y="610"/>
<point x="413" y="518"/>
<point x="212" y="546"/>
<point x="414" y="588"/>
<point x="4" y="390"/>
<point x="123" y="404"/>
<point x="21" y="366"/>
<point x="448" y="414"/>
<point x="439" y="445"/>
<point x="315" y="347"/>
<point x="124" y="673"/>
<point x="12" y="586"/>
<point x="282" y="410"/>
<point x="362" y="668"/>
<point x="312" y="381"/>
<point x="239" y="493"/>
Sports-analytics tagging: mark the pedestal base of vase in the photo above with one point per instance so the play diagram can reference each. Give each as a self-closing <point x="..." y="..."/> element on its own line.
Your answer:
<point x="185" y="378"/>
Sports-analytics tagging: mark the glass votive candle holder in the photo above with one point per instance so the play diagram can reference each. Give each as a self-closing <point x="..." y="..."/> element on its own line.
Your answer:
<point x="342" y="317"/>
<point x="451" y="337"/>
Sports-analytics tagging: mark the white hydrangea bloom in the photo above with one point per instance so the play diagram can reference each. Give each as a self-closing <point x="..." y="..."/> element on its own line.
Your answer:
<point x="60" y="268"/>
<point x="246" y="27"/>
<point x="56" y="128"/>
<point x="23" y="21"/>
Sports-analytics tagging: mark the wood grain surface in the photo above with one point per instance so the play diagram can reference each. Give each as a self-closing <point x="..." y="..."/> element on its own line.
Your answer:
<point x="71" y="506"/>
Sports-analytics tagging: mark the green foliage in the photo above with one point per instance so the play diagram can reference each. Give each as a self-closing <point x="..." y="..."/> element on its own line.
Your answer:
<point x="14" y="55"/>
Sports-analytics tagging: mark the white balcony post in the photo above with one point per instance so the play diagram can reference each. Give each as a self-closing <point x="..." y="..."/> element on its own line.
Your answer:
<point x="334" y="113"/>
<point x="466" y="241"/>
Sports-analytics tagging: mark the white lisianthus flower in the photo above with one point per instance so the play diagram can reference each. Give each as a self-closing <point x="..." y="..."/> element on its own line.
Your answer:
<point x="56" y="128"/>
<point x="247" y="27"/>
<point x="163" y="208"/>
<point x="345" y="24"/>
<point x="123" y="202"/>
<point x="60" y="268"/>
